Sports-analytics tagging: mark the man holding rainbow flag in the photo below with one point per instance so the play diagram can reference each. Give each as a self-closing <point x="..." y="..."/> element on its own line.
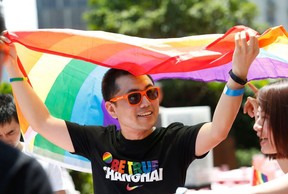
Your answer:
<point x="138" y="158"/>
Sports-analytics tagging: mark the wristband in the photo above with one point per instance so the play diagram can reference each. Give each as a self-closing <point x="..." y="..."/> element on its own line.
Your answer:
<point x="237" y="79"/>
<point x="230" y="92"/>
<point x="16" y="79"/>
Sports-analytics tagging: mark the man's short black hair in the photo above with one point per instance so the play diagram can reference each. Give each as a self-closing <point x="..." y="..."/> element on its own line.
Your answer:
<point x="109" y="86"/>
<point x="7" y="109"/>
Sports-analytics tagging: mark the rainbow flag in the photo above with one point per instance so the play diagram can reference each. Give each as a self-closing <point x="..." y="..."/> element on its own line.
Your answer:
<point x="65" y="68"/>
<point x="258" y="177"/>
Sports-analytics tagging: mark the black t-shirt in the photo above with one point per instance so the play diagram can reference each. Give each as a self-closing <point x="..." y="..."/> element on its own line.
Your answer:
<point x="21" y="174"/>
<point x="155" y="164"/>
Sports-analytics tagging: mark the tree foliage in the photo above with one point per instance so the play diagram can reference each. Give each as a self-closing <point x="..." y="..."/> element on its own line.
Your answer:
<point x="169" y="18"/>
<point x="5" y="88"/>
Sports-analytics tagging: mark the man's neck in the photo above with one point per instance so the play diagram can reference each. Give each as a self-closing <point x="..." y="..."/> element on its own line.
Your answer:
<point x="131" y="135"/>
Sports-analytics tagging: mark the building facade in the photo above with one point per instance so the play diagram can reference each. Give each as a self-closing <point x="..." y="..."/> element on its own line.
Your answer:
<point x="61" y="14"/>
<point x="272" y="12"/>
<point x="69" y="13"/>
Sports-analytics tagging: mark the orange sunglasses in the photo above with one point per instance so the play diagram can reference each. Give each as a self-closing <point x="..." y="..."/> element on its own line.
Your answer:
<point x="134" y="98"/>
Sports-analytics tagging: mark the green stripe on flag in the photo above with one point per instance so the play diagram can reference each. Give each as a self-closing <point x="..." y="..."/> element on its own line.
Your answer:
<point x="62" y="95"/>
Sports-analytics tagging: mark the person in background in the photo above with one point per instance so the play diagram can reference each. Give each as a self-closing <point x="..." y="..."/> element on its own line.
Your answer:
<point x="138" y="158"/>
<point x="270" y="110"/>
<point x="10" y="133"/>
<point x="20" y="173"/>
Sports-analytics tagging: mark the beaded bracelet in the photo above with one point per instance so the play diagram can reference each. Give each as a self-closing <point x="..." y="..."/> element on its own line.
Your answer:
<point x="230" y="92"/>
<point x="16" y="79"/>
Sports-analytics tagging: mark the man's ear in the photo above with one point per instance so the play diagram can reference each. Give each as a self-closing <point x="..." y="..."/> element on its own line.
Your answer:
<point x="110" y="107"/>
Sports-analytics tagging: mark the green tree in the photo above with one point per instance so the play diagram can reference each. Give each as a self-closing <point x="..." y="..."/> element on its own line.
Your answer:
<point x="169" y="18"/>
<point x="5" y="88"/>
<point x="83" y="181"/>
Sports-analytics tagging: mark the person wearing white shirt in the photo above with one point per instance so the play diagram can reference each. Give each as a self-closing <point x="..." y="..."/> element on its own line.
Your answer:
<point x="10" y="133"/>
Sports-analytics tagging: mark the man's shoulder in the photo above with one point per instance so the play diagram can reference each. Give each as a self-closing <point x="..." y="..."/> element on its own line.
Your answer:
<point x="176" y="127"/>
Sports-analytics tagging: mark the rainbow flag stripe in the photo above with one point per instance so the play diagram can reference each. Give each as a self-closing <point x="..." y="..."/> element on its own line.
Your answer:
<point x="258" y="177"/>
<point x="65" y="68"/>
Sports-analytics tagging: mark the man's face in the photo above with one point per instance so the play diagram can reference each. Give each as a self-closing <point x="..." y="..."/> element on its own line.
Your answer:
<point x="10" y="133"/>
<point x="140" y="117"/>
